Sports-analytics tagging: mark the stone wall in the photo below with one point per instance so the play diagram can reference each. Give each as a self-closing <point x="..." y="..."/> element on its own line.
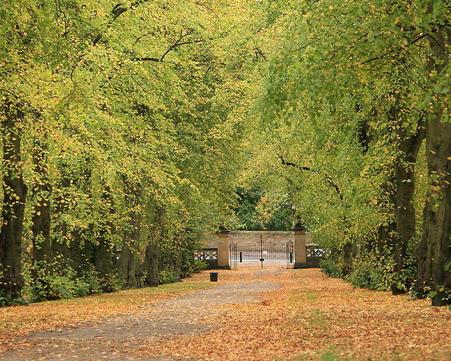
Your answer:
<point x="246" y="238"/>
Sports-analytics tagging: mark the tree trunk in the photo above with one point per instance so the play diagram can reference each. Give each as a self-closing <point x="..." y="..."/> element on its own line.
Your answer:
<point x="14" y="197"/>
<point x="104" y="263"/>
<point x="104" y="252"/>
<point x="41" y="211"/>
<point x="347" y="259"/>
<point x="404" y="202"/>
<point x="400" y="188"/>
<point x="151" y="265"/>
<point x="127" y="267"/>
<point x="79" y="251"/>
<point x="128" y="260"/>
<point x="60" y="243"/>
<point x="434" y="254"/>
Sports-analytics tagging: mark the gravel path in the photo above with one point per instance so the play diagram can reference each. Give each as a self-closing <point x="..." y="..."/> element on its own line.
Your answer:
<point x="112" y="339"/>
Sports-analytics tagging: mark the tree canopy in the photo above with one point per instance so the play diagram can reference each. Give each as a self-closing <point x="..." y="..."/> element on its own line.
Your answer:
<point x="131" y="129"/>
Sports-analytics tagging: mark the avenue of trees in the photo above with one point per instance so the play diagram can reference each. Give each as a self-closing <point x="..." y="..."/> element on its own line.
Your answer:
<point x="130" y="129"/>
<point x="354" y="128"/>
<point x="120" y="129"/>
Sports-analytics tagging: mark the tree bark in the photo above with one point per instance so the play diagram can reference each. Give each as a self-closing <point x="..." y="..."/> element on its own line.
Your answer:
<point x="347" y="259"/>
<point x="60" y="244"/>
<point x="104" y="263"/>
<point x="127" y="266"/>
<point x="128" y="261"/>
<point x="434" y="251"/>
<point x="151" y="265"/>
<point x="41" y="211"/>
<point x="404" y="202"/>
<point x="14" y="190"/>
<point x="103" y="252"/>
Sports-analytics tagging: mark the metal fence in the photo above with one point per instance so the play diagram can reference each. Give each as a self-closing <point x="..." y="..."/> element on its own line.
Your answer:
<point x="207" y="255"/>
<point x="262" y="253"/>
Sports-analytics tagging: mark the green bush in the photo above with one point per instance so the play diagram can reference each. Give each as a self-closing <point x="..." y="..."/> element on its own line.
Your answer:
<point x="169" y="276"/>
<point x="51" y="280"/>
<point x="330" y="267"/>
<point x="405" y="279"/>
<point x="375" y="272"/>
<point x="88" y="283"/>
<point x="62" y="286"/>
<point x="3" y="299"/>
<point x="111" y="283"/>
<point x="200" y="265"/>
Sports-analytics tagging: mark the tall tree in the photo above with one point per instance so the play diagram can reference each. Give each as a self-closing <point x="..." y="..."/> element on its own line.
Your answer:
<point x="434" y="251"/>
<point x="14" y="196"/>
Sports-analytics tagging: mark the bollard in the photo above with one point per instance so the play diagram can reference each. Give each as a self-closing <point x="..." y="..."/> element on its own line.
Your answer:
<point x="213" y="276"/>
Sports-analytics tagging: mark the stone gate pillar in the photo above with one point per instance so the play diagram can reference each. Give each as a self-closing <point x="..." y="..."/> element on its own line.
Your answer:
<point x="300" y="249"/>
<point x="223" y="249"/>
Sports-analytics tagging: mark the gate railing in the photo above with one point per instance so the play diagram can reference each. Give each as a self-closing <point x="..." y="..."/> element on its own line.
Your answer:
<point x="207" y="255"/>
<point x="233" y="255"/>
<point x="314" y="255"/>
<point x="263" y="252"/>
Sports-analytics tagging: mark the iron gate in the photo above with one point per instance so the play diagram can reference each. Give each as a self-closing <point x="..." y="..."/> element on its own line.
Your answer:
<point x="261" y="252"/>
<point x="233" y="256"/>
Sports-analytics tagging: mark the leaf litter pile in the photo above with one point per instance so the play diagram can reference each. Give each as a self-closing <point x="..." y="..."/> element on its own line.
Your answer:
<point x="253" y="314"/>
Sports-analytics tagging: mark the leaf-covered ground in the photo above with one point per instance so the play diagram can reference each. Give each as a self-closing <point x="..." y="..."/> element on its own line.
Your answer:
<point x="252" y="314"/>
<point x="17" y="322"/>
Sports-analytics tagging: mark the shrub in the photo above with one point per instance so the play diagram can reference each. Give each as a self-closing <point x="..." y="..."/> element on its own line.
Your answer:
<point x="112" y="283"/>
<point x="51" y="280"/>
<point x="200" y="265"/>
<point x="88" y="283"/>
<point x="3" y="299"/>
<point x="169" y="276"/>
<point x="374" y="272"/>
<point x="56" y="279"/>
<point x="330" y="267"/>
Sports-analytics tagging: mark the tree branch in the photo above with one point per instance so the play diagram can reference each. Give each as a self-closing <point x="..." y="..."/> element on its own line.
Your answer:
<point x="258" y="52"/>
<point x="391" y="51"/>
<point x="326" y="176"/>
<point x="115" y="13"/>
<point x="175" y="45"/>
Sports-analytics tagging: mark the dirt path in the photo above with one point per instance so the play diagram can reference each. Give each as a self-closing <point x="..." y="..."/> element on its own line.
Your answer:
<point x="116" y="337"/>
<point x="253" y="314"/>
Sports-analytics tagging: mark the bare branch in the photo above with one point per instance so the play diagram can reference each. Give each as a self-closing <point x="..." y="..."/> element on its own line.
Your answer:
<point x="259" y="52"/>
<point x="115" y="13"/>
<point x="391" y="51"/>
<point x="175" y="45"/>
<point x="326" y="176"/>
